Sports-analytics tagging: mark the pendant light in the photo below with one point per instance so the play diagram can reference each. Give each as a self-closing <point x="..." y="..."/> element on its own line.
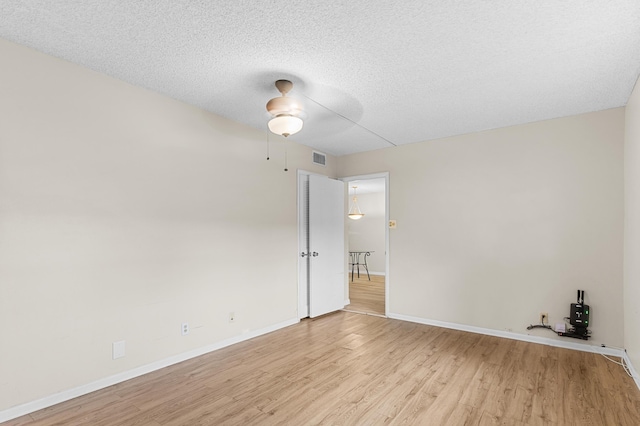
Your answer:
<point x="285" y="111"/>
<point x="354" y="211"/>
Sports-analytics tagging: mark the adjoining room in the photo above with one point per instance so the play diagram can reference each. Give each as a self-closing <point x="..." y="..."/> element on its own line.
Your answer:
<point x="367" y="246"/>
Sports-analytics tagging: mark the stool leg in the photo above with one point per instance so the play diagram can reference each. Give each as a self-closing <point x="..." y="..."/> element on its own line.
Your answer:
<point x="352" y="265"/>
<point x="366" y="266"/>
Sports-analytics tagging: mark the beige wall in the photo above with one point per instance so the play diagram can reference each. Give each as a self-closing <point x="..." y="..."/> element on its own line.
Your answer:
<point x="494" y="228"/>
<point x="632" y="229"/>
<point x="368" y="233"/>
<point x="124" y="213"/>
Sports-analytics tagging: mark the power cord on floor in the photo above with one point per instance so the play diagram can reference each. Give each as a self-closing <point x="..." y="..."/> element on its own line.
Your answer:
<point x="622" y="362"/>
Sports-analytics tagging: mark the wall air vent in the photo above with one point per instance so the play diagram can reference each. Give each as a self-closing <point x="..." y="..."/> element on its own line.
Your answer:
<point x="319" y="158"/>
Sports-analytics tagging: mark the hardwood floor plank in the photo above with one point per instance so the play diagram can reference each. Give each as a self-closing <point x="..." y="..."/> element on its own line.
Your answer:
<point x="463" y="414"/>
<point x="545" y="400"/>
<point x="429" y="387"/>
<point x="367" y="296"/>
<point x="476" y="392"/>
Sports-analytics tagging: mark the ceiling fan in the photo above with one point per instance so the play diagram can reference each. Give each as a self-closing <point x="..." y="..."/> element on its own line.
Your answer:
<point x="285" y="111"/>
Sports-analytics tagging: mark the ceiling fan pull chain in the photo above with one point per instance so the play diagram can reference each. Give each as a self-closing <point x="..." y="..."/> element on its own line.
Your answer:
<point x="285" y="156"/>
<point x="267" y="144"/>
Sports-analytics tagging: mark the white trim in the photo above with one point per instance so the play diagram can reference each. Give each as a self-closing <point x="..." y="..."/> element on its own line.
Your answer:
<point x="303" y="285"/>
<point x="347" y="302"/>
<point x="387" y="279"/>
<point x="567" y="344"/>
<point x="30" y="407"/>
<point x="634" y="373"/>
<point x="363" y="274"/>
<point x="364" y="313"/>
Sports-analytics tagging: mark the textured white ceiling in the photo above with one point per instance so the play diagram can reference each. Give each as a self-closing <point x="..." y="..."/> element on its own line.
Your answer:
<point x="371" y="74"/>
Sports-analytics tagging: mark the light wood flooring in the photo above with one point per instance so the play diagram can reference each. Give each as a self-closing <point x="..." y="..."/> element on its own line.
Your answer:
<point x="366" y="296"/>
<point x="346" y="368"/>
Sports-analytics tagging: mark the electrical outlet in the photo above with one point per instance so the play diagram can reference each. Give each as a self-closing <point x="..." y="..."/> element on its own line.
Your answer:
<point x="232" y="317"/>
<point x="544" y="318"/>
<point x="118" y="349"/>
<point x="185" y="328"/>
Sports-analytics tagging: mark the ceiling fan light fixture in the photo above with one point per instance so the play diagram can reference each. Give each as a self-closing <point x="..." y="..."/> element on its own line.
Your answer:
<point x="285" y="125"/>
<point x="354" y="211"/>
<point x="285" y="110"/>
<point x="284" y="105"/>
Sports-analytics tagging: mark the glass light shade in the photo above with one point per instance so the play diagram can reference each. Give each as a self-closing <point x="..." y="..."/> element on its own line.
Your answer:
<point x="285" y="125"/>
<point x="354" y="211"/>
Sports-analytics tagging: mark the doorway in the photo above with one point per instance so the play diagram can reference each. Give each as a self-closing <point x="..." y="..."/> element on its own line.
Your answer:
<point x="367" y="240"/>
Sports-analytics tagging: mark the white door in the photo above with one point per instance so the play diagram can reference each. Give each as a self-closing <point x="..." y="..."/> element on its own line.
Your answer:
<point x="326" y="245"/>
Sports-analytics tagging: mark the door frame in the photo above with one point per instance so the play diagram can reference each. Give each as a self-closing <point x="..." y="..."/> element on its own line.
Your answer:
<point x="387" y="281"/>
<point x="303" y="284"/>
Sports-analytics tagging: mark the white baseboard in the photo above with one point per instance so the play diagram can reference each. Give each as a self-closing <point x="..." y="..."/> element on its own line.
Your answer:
<point x="30" y="407"/>
<point x="365" y="274"/>
<point x="515" y="336"/>
<point x="347" y="302"/>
